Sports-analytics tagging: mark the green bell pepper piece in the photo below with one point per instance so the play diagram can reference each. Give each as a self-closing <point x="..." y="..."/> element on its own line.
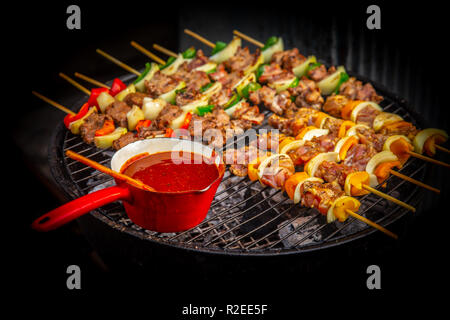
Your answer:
<point x="219" y="47"/>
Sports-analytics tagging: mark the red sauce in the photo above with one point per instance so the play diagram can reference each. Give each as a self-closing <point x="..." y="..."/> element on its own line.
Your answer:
<point x="164" y="174"/>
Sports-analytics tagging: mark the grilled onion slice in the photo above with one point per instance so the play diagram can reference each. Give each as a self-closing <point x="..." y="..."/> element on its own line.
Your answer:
<point x="228" y="51"/>
<point x="375" y="161"/>
<point x="314" y="163"/>
<point x="362" y="105"/>
<point x="431" y="133"/>
<point x="384" y="119"/>
<point x="268" y="53"/>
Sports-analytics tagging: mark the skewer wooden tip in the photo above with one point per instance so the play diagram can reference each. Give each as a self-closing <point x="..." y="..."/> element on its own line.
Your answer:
<point x="74" y="83"/>
<point x="372" y="224"/>
<point x="249" y="39"/>
<point x="416" y="182"/>
<point x="53" y="103"/>
<point x="425" y="158"/>
<point x="149" y="54"/>
<point x="199" y="38"/>
<point x="90" y="80"/>
<point x="389" y="198"/>
<point x="442" y="148"/>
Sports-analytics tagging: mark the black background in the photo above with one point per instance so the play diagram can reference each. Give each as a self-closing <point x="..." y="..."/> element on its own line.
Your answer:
<point x="414" y="267"/>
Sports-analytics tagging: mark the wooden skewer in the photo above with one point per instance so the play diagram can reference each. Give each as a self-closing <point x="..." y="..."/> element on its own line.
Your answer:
<point x="419" y="183"/>
<point x="199" y="38"/>
<point x="147" y="53"/>
<point x="442" y="148"/>
<point x="164" y="50"/>
<point x="389" y="198"/>
<point x="91" y="81"/>
<point x="74" y="83"/>
<point x="249" y="39"/>
<point x="53" y="103"/>
<point x="418" y="155"/>
<point x="118" y="62"/>
<point x="108" y="171"/>
<point x="372" y="224"/>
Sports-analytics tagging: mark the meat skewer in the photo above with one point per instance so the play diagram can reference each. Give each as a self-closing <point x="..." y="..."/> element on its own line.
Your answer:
<point x="388" y="145"/>
<point x="74" y="83"/>
<point x="314" y="165"/>
<point x="53" y="103"/>
<point x="91" y="80"/>
<point x="147" y="53"/>
<point x="328" y="198"/>
<point x="374" y="112"/>
<point x="118" y="62"/>
<point x="164" y="50"/>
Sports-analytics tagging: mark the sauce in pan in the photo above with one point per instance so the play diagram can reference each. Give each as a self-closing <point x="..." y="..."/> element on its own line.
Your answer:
<point x="166" y="175"/>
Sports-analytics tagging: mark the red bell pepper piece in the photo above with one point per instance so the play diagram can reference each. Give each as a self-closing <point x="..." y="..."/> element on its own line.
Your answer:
<point x="108" y="127"/>
<point x="143" y="124"/>
<point x="71" y="118"/>
<point x="187" y="121"/>
<point x="116" y="87"/>
<point x="94" y="95"/>
<point x="169" y="133"/>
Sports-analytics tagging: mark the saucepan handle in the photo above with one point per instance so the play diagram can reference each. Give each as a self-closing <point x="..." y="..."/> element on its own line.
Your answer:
<point x="79" y="207"/>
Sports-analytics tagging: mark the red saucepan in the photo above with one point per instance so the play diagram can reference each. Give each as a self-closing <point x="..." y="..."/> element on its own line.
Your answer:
<point x="153" y="210"/>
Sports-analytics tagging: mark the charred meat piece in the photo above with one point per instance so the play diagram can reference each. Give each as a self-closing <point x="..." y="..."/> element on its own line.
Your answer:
<point x="91" y="124"/>
<point x="331" y="171"/>
<point x="355" y="90"/>
<point x="320" y="73"/>
<point x="320" y="195"/>
<point x="238" y="159"/>
<point x="368" y="136"/>
<point x="367" y="115"/>
<point x="276" y="174"/>
<point x="124" y="140"/>
<point x="199" y="60"/>
<point x="359" y="155"/>
<point x="165" y="117"/>
<point x="220" y="75"/>
<point x="273" y="73"/>
<point x="187" y="96"/>
<point x="242" y="59"/>
<point x="159" y="84"/>
<point x="221" y="97"/>
<point x="147" y="132"/>
<point x="334" y="104"/>
<point x="196" y="80"/>
<point x="118" y="112"/>
<point x="281" y="123"/>
<point x="135" y="98"/>
<point x="269" y="98"/>
<point x="288" y="59"/>
<point x="403" y="128"/>
<point x="307" y="94"/>
<point x="245" y="112"/>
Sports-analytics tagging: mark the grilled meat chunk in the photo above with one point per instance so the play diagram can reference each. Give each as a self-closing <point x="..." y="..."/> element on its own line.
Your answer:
<point x="288" y="59"/>
<point x="242" y="59"/>
<point x="334" y="104"/>
<point x="159" y="84"/>
<point x="118" y="112"/>
<point x="320" y="73"/>
<point x="91" y="124"/>
<point x="124" y="140"/>
<point x="135" y="98"/>
<point x="165" y="117"/>
<point x="355" y="90"/>
<point x="307" y="94"/>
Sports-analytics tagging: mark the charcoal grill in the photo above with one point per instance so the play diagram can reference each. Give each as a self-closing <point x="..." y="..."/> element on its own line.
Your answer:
<point x="245" y="218"/>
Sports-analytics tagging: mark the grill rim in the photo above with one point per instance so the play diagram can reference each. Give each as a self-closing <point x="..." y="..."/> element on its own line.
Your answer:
<point x="61" y="175"/>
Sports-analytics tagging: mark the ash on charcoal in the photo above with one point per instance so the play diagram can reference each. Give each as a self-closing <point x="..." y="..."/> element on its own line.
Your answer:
<point x="301" y="227"/>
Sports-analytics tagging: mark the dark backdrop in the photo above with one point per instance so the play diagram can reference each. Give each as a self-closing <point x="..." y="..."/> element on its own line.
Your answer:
<point x="408" y="55"/>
